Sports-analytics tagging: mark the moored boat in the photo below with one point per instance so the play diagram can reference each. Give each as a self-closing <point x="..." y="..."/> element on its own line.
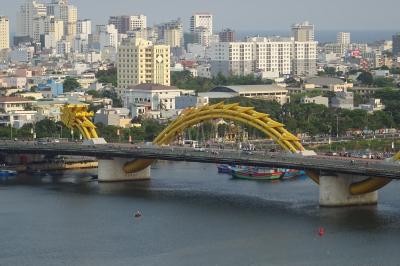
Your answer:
<point x="224" y="168"/>
<point x="257" y="173"/>
<point x="292" y="173"/>
<point x="7" y="174"/>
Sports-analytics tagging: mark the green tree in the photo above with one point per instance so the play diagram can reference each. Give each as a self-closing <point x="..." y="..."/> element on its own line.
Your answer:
<point x="366" y="78"/>
<point x="70" y="84"/>
<point x="107" y="76"/>
<point x="331" y="71"/>
<point x="383" y="82"/>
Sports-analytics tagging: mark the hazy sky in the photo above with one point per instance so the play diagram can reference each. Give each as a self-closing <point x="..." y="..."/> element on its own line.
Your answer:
<point x="246" y="14"/>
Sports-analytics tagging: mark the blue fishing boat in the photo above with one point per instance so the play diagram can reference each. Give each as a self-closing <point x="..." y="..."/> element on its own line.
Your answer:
<point x="7" y="174"/>
<point x="224" y="168"/>
<point x="292" y="173"/>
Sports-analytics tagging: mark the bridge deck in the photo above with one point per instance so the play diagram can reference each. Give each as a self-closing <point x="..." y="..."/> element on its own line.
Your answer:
<point x="360" y="167"/>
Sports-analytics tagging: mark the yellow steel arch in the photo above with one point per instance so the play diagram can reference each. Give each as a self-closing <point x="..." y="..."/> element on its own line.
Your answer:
<point x="77" y="116"/>
<point x="245" y="115"/>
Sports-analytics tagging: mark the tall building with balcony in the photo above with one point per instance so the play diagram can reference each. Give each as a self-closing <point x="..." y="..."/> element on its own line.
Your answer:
<point x="68" y="14"/>
<point x="396" y="45"/>
<point x="171" y="33"/>
<point x="84" y="26"/>
<point x="273" y="55"/>
<point x="344" y="38"/>
<point x="4" y="33"/>
<point x="173" y="37"/>
<point x="141" y="61"/>
<point x="303" y="32"/>
<point x="27" y="12"/>
<point x="227" y="35"/>
<point x="108" y="36"/>
<point x="137" y="22"/>
<point x="120" y="22"/>
<point x="204" y="20"/>
<point x="304" y="59"/>
<point x="47" y="27"/>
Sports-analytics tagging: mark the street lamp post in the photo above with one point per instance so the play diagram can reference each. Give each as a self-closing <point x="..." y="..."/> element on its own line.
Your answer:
<point x="61" y="130"/>
<point x="337" y="127"/>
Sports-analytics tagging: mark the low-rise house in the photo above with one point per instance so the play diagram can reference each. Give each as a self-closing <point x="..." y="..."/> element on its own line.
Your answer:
<point x="266" y="92"/>
<point x="317" y="100"/>
<point x="17" y="119"/>
<point x="372" y="106"/>
<point x="158" y="97"/>
<point x="343" y="100"/>
<point x="187" y="101"/>
<point x="8" y="104"/>
<point x="110" y="116"/>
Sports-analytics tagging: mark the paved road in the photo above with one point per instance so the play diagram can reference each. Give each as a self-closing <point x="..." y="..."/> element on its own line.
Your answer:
<point x="372" y="168"/>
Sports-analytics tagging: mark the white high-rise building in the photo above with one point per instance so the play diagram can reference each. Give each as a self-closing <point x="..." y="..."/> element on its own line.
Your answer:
<point x="48" y="25"/>
<point x="63" y="47"/>
<point x="303" y="32"/>
<point x="68" y="14"/>
<point x="4" y="33"/>
<point x="137" y="22"/>
<point x="344" y="38"/>
<point x="173" y="37"/>
<point x="28" y="11"/>
<point x="170" y="32"/>
<point x="84" y="26"/>
<point x="304" y="59"/>
<point x="202" y="20"/>
<point x="272" y="56"/>
<point x="202" y="36"/>
<point x="108" y="36"/>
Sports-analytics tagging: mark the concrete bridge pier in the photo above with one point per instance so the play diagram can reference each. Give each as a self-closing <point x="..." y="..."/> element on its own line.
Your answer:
<point x="334" y="191"/>
<point x="111" y="171"/>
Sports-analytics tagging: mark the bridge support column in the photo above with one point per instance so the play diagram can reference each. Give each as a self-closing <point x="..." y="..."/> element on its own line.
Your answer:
<point x="334" y="191"/>
<point x="111" y="171"/>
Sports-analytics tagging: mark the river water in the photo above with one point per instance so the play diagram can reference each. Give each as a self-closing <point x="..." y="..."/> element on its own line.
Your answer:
<point x="191" y="216"/>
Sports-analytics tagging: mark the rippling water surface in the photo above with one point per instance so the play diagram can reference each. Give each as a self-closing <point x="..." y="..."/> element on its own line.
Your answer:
<point x="191" y="216"/>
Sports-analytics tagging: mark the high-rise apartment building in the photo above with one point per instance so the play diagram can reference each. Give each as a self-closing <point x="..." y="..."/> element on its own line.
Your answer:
<point x="128" y="23"/>
<point x="28" y="11"/>
<point x="204" y="20"/>
<point x="344" y="38"/>
<point x="122" y="23"/>
<point x="50" y="26"/>
<point x="275" y="56"/>
<point x="141" y="61"/>
<point x="68" y="14"/>
<point x="303" y="32"/>
<point x="256" y="54"/>
<point x="173" y="37"/>
<point x="84" y="26"/>
<point x="396" y="45"/>
<point x="202" y="36"/>
<point x="4" y="33"/>
<point x="137" y="22"/>
<point x="304" y="62"/>
<point x="227" y="35"/>
<point x="108" y="36"/>
<point x="171" y="33"/>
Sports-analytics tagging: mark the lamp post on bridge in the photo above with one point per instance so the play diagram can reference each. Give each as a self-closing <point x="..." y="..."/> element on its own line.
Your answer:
<point x="61" y="131"/>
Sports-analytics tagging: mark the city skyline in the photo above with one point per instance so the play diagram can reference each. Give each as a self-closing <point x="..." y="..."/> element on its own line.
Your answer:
<point x="259" y="19"/>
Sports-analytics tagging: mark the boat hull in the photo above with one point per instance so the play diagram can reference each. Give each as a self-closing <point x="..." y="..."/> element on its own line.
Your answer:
<point x="257" y="174"/>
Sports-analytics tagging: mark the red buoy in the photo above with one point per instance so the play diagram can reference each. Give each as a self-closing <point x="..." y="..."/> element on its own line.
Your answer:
<point x="321" y="231"/>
